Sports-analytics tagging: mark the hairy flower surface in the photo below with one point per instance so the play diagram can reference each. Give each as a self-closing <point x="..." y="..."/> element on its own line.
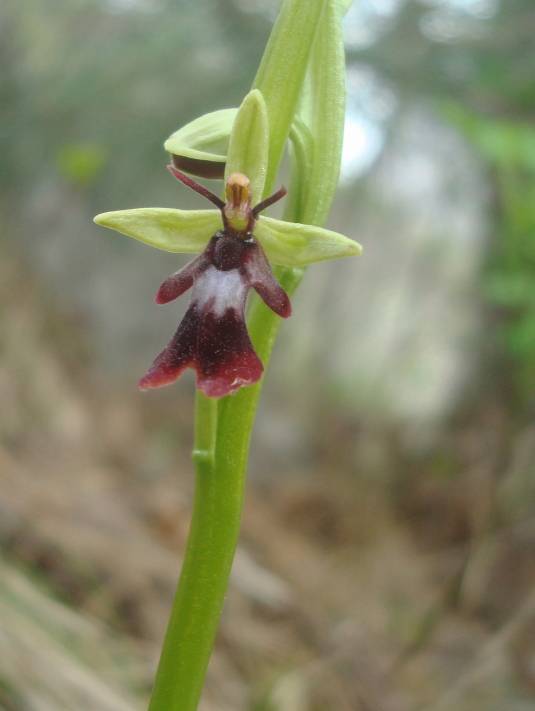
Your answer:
<point x="212" y="337"/>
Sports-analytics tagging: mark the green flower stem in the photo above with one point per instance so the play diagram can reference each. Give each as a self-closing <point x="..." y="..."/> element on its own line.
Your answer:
<point x="220" y="469"/>
<point x="203" y="581"/>
<point x="223" y="428"/>
<point x="203" y="454"/>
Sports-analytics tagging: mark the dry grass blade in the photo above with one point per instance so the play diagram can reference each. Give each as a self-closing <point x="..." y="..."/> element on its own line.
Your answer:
<point x="53" y="658"/>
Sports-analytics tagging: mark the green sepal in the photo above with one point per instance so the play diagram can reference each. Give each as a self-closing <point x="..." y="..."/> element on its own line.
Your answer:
<point x="249" y="143"/>
<point x="165" y="228"/>
<point x="203" y="141"/>
<point x="294" y="245"/>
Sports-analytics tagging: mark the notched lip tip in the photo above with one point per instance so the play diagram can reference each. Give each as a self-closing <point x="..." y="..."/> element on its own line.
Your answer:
<point x="146" y="388"/>
<point x="217" y="390"/>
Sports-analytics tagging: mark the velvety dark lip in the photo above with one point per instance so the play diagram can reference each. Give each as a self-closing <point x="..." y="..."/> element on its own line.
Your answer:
<point x="212" y="337"/>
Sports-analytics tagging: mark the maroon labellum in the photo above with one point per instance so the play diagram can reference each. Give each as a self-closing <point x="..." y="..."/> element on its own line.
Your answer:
<point x="212" y="337"/>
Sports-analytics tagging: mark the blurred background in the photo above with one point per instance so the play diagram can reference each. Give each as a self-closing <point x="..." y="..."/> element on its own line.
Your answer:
<point x="387" y="559"/>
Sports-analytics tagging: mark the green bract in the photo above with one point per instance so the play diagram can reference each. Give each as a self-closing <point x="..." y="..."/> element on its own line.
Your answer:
<point x="282" y="71"/>
<point x="317" y="132"/>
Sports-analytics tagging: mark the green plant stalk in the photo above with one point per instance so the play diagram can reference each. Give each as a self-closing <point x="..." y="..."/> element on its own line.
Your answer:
<point x="223" y="428"/>
<point x="203" y="581"/>
<point x="220" y="460"/>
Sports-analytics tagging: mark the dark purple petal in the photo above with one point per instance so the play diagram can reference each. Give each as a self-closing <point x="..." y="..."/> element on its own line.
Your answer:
<point x="263" y="281"/>
<point x="225" y="356"/>
<point x="182" y="280"/>
<point x="177" y="356"/>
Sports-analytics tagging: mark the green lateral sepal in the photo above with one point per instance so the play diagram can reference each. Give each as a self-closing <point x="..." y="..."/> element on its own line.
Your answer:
<point x="165" y="228"/>
<point x="293" y="245"/>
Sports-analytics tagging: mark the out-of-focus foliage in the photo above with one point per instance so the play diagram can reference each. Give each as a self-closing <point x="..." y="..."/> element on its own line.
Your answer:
<point x="508" y="147"/>
<point x="478" y="58"/>
<point x="92" y="88"/>
<point x="480" y="52"/>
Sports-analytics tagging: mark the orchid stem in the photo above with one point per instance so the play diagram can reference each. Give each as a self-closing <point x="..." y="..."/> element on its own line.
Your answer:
<point x="223" y="427"/>
<point x="220" y="468"/>
<point x="203" y="581"/>
<point x="203" y="453"/>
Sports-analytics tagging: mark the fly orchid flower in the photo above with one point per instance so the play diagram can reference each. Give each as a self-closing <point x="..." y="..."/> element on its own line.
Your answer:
<point x="212" y="337"/>
<point x="236" y="243"/>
